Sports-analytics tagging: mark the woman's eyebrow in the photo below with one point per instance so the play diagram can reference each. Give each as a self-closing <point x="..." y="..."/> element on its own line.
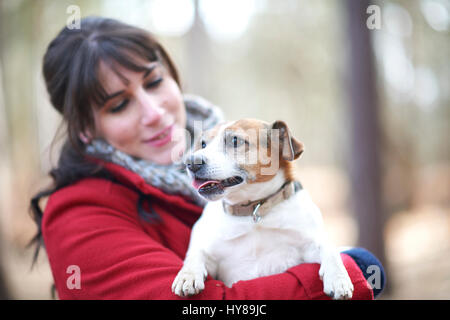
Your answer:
<point x="147" y="71"/>
<point x="113" y="95"/>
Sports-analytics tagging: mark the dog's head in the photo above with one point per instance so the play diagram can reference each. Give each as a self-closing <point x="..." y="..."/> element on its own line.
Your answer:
<point x="237" y="157"/>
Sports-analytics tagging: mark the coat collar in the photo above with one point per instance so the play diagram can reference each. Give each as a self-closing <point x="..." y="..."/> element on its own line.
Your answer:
<point x="133" y="180"/>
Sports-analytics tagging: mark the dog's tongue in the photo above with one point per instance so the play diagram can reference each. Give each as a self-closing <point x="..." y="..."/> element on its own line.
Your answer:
<point x="197" y="184"/>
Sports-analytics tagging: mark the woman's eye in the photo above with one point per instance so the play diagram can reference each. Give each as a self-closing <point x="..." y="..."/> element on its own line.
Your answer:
<point x="153" y="84"/>
<point x="203" y="144"/>
<point x="119" y="107"/>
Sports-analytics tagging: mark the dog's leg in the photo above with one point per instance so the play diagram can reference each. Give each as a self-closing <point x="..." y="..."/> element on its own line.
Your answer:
<point x="190" y="280"/>
<point x="336" y="282"/>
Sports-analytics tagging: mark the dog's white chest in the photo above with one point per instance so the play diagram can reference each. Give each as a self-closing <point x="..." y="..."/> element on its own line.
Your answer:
<point x="258" y="253"/>
<point x="245" y="250"/>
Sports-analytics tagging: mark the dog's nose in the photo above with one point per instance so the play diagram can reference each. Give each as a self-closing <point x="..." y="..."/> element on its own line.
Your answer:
<point x="195" y="162"/>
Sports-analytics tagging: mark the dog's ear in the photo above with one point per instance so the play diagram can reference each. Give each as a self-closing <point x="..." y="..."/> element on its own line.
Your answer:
<point x="290" y="148"/>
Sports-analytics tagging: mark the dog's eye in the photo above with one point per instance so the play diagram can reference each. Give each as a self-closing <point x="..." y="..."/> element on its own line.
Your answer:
<point x="203" y="144"/>
<point x="237" y="141"/>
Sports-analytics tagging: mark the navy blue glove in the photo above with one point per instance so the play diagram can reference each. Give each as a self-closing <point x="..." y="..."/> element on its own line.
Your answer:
<point x="371" y="268"/>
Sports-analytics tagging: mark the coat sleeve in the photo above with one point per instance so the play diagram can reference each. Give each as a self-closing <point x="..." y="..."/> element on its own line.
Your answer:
<point x="301" y="282"/>
<point x="98" y="250"/>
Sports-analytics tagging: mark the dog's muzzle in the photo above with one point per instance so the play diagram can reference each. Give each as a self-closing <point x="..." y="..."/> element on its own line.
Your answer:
<point x="195" y="162"/>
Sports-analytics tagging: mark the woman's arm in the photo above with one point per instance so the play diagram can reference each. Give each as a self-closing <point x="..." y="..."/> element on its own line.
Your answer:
<point x="92" y="228"/>
<point x="301" y="282"/>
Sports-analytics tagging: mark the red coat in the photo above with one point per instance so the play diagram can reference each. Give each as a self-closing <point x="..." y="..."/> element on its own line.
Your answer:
<point x="94" y="225"/>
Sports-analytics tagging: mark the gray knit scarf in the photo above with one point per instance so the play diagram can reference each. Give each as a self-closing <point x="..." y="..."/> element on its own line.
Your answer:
<point x="171" y="179"/>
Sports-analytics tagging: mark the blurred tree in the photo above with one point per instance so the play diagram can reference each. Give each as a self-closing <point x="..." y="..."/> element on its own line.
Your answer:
<point x="198" y="57"/>
<point x="364" y="161"/>
<point x="4" y="294"/>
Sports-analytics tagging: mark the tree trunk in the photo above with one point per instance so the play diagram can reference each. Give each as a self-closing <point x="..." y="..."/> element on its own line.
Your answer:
<point x="364" y="160"/>
<point x="198" y="57"/>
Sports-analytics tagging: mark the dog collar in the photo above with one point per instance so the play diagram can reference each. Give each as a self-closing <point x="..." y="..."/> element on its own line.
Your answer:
<point x="259" y="208"/>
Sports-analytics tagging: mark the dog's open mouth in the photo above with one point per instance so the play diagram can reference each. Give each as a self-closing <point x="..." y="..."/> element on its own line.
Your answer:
<point x="206" y="186"/>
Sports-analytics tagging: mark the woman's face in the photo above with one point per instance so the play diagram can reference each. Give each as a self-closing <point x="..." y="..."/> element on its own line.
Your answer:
<point x="144" y="114"/>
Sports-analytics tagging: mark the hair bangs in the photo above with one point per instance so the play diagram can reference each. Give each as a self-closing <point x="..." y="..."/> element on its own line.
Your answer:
<point x="115" y="52"/>
<point x="92" y="84"/>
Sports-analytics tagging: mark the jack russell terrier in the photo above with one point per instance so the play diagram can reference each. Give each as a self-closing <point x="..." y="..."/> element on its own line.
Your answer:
<point x="258" y="221"/>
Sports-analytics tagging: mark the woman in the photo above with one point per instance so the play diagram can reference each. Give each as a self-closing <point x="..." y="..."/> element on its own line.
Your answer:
<point x="119" y="215"/>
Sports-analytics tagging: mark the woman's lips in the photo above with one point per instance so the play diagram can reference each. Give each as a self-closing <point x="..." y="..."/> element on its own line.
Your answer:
<point x="161" y="138"/>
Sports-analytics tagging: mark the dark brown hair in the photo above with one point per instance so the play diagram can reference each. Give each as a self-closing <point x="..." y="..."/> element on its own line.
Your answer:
<point x="73" y="82"/>
<point x="72" y="60"/>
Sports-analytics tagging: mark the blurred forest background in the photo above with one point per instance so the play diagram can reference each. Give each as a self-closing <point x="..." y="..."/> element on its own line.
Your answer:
<point x="369" y="98"/>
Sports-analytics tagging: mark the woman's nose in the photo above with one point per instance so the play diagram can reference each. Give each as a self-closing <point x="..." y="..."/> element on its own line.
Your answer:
<point x="152" y="111"/>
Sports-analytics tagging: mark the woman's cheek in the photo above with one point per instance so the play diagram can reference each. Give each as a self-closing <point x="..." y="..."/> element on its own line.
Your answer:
<point x="175" y="98"/>
<point x="119" y="132"/>
<point x="180" y="111"/>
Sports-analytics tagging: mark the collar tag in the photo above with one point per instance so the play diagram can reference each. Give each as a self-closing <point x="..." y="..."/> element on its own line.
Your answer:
<point x="256" y="216"/>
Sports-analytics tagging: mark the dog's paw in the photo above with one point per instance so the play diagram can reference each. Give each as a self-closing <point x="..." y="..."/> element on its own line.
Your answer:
<point x="189" y="281"/>
<point x="337" y="286"/>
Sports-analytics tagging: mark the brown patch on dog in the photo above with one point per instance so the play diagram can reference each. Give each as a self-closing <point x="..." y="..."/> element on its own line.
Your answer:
<point x="290" y="147"/>
<point x="210" y="134"/>
<point x="251" y="128"/>
<point x="247" y="124"/>
<point x="289" y="170"/>
<point x="207" y="136"/>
